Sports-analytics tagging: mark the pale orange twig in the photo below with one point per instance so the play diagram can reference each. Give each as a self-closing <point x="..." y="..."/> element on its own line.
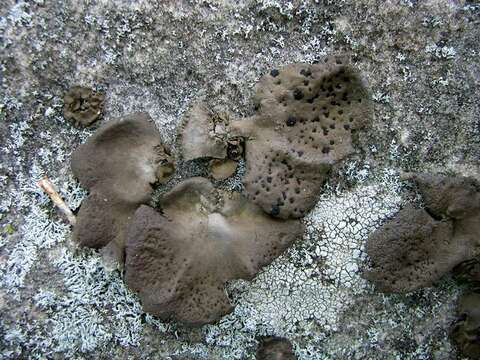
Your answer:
<point x="46" y="185"/>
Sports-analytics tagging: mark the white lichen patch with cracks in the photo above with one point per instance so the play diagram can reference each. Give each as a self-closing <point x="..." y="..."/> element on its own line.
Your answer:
<point x="307" y="294"/>
<point x="319" y="276"/>
<point x="316" y="279"/>
<point x="57" y="301"/>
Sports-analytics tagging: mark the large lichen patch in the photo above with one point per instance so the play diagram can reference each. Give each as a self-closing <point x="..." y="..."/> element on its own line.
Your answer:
<point x="118" y="164"/>
<point x="306" y="118"/>
<point x="419" y="246"/>
<point x="180" y="260"/>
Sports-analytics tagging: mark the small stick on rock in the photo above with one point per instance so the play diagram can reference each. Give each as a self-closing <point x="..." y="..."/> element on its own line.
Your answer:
<point x="46" y="185"/>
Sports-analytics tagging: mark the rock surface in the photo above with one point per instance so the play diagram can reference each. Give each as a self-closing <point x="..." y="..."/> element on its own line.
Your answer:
<point x="420" y="61"/>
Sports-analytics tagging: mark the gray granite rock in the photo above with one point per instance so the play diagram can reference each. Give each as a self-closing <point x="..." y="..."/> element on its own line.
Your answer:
<point x="420" y="61"/>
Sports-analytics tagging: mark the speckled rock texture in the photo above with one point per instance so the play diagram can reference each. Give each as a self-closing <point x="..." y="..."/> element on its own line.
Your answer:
<point x="420" y="62"/>
<point x="304" y="124"/>
<point x="180" y="259"/>
<point x="118" y="164"/>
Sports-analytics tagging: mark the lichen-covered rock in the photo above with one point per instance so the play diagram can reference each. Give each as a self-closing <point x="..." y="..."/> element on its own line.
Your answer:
<point x="119" y="164"/>
<point x="179" y="260"/>
<point x="304" y="124"/>
<point x="203" y="133"/>
<point x="274" y="348"/>
<point x="418" y="246"/>
<point x="466" y="332"/>
<point x="82" y="105"/>
<point x="421" y="61"/>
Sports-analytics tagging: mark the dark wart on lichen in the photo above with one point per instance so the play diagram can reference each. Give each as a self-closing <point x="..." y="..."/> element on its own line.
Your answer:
<point x="82" y="105"/>
<point x="180" y="259"/>
<point x="118" y="165"/>
<point x="418" y="246"/>
<point x="304" y="124"/>
<point x="466" y="331"/>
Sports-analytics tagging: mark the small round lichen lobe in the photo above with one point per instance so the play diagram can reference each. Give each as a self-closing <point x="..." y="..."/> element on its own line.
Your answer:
<point x="82" y="105"/>
<point x="222" y="169"/>
<point x="274" y="348"/>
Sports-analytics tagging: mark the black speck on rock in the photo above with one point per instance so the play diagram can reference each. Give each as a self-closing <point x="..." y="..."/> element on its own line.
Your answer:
<point x="291" y="121"/>
<point x="297" y="94"/>
<point x="275" y="210"/>
<point x="306" y="72"/>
